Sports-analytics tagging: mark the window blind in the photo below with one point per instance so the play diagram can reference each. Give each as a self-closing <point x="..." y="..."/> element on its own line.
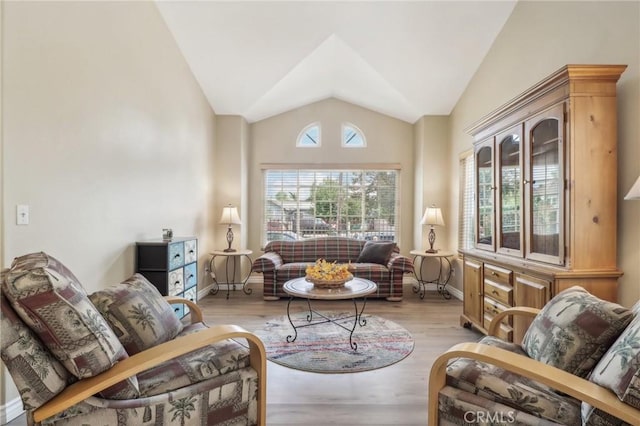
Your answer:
<point x="303" y="203"/>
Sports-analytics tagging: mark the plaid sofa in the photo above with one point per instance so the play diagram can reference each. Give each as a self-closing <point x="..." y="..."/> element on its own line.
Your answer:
<point x="285" y="260"/>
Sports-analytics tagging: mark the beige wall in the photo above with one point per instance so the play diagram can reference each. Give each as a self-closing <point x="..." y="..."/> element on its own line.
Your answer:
<point x="539" y="38"/>
<point x="432" y="175"/>
<point x="389" y="140"/>
<point x="107" y="137"/>
<point x="232" y="135"/>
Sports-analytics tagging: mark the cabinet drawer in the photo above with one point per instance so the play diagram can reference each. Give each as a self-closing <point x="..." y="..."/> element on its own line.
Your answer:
<point x="190" y="251"/>
<point x="190" y="275"/>
<point x="492" y="308"/>
<point x="499" y="292"/>
<point x="176" y="255"/>
<point x="505" y="332"/>
<point x="191" y="294"/>
<point x="178" y="309"/>
<point x="498" y="274"/>
<point x="176" y="282"/>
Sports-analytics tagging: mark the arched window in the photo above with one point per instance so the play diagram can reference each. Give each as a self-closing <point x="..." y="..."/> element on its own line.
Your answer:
<point x="352" y="137"/>
<point x="309" y="136"/>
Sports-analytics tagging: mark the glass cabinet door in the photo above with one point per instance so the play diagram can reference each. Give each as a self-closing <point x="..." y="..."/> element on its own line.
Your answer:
<point x="509" y="183"/>
<point x="544" y="186"/>
<point x="485" y="196"/>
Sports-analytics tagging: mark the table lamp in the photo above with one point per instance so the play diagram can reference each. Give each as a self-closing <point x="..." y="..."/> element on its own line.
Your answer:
<point x="432" y="217"/>
<point x="230" y="217"/>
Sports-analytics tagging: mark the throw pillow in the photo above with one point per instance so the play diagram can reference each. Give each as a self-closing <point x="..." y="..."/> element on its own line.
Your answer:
<point x="376" y="252"/>
<point x="574" y="330"/>
<point x="38" y="375"/>
<point x="619" y="368"/>
<point x="51" y="301"/>
<point x="137" y="313"/>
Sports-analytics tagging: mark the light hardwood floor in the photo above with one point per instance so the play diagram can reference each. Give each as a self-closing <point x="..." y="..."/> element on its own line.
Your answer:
<point x="394" y="395"/>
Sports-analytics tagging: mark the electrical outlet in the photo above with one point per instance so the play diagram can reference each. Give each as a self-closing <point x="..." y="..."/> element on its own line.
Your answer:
<point x="22" y="214"/>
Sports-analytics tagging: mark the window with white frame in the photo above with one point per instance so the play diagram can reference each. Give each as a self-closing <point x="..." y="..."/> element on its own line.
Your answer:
<point x="466" y="232"/>
<point x="352" y="137"/>
<point x="302" y="203"/>
<point x="309" y="137"/>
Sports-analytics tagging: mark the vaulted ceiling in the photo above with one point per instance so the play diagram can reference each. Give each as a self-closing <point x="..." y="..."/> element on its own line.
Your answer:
<point x="403" y="59"/>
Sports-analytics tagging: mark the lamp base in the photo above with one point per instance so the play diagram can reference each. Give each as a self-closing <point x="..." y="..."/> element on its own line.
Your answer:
<point x="432" y="239"/>
<point x="229" y="240"/>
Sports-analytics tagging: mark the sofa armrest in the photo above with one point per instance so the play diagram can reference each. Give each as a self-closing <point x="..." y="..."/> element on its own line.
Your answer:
<point x="400" y="263"/>
<point x="267" y="262"/>
<point x="516" y="310"/>
<point x="194" y="309"/>
<point x="567" y="383"/>
<point x="150" y="358"/>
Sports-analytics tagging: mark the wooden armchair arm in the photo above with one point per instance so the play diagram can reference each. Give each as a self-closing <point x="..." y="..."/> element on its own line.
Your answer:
<point x="151" y="357"/>
<point x="194" y="309"/>
<point x="560" y="380"/>
<point x="516" y="310"/>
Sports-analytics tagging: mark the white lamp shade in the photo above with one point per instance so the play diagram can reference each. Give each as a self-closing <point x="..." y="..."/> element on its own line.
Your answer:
<point x="634" y="192"/>
<point x="432" y="216"/>
<point x="230" y="216"/>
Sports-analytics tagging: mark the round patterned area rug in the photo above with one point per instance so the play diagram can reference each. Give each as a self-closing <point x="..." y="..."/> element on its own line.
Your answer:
<point x="324" y="348"/>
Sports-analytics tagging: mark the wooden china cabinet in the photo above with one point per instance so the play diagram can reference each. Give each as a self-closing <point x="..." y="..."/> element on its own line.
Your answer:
<point x="545" y="194"/>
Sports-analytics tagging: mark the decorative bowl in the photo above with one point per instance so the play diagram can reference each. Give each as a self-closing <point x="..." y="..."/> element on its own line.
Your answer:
<point x="318" y="283"/>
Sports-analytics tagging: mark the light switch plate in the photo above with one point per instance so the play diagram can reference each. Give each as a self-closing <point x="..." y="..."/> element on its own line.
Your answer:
<point x="22" y="214"/>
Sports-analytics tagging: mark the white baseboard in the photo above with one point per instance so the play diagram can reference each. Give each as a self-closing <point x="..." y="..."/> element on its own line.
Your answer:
<point x="11" y="410"/>
<point x="205" y="291"/>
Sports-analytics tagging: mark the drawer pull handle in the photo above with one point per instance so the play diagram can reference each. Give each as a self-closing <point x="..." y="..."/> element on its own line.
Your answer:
<point x="190" y="276"/>
<point x="176" y="309"/>
<point x="494" y="292"/>
<point x="177" y="255"/>
<point x="495" y="274"/>
<point x="176" y="283"/>
<point x="191" y="251"/>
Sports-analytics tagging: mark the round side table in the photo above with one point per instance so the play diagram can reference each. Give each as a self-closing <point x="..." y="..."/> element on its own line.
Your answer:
<point x="232" y="258"/>
<point x="444" y="273"/>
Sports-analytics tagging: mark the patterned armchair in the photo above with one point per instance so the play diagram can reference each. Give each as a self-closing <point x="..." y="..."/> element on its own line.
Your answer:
<point x="578" y="364"/>
<point x="120" y="356"/>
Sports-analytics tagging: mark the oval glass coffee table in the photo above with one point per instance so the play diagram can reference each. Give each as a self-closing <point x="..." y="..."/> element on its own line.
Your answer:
<point x="357" y="288"/>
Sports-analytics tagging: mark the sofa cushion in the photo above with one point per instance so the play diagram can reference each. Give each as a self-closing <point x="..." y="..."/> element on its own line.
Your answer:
<point x="332" y="249"/>
<point x="376" y="252"/>
<point x="51" y="301"/>
<point x="138" y="314"/>
<point x="500" y="386"/>
<point x="592" y="416"/>
<point x="619" y="368"/>
<point x="37" y="374"/>
<point x="574" y="330"/>
<point x="202" y="364"/>
<point x="458" y="407"/>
